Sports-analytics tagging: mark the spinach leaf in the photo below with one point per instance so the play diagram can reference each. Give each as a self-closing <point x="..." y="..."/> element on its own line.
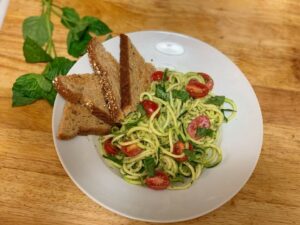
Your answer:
<point x="96" y="26"/>
<point x="216" y="100"/>
<point x="34" y="53"/>
<point x="203" y="132"/>
<point x="113" y="158"/>
<point x="70" y="17"/>
<point x="59" y="66"/>
<point x="149" y="163"/>
<point x="160" y="92"/>
<point x="183" y="95"/>
<point x="35" y="27"/>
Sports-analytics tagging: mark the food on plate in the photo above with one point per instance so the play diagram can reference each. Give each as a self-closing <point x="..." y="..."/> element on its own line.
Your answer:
<point x="134" y="74"/>
<point x="172" y="135"/>
<point x="108" y="70"/>
<point x="78" y="120"/>
<point x="85" y="90"/>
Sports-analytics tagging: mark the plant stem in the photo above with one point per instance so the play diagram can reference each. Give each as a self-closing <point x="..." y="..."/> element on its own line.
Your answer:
<point x="50" y="46"/>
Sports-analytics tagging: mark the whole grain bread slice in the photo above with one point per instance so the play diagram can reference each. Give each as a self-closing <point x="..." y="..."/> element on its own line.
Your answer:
<point x="135" y="74"/>
<point x="78" y="120"/>
<point x="84" y="89"/>
<point x="107" y="68"/>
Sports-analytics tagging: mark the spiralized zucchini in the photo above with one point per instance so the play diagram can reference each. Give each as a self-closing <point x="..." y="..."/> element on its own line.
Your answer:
<point x="157" y="134"/>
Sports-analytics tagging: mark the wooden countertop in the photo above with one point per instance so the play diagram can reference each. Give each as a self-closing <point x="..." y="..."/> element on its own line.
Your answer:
<point x="261" y="37"/>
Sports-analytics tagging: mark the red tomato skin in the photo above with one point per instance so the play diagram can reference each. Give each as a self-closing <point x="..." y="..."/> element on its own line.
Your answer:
<point x="209" y="82"/>
<point x="158" y="182"/>
<point x="196" y="89"/>
<point x="178" y="150"/>
<point x="149" y="106"/>
<point x="157" y="76"/>
<point x="110" y="148"/>
<point x="131" y="150"/>
<point x="200" y="121"/>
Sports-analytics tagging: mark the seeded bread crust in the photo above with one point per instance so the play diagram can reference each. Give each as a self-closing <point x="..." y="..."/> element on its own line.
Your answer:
<point x="135" y="75"/>
<point x="71" y="89"/>
<point x="107" y="68"/>
<point x="77" y="120"/>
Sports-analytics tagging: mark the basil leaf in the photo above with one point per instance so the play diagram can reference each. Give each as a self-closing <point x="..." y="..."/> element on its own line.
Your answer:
<point x="164" y="78"/>
<point x="160" y="92"/>
<point x="216" y="100"/>
<point x="178" y="178"/>
<point x="34" y="53"/>
<point x="59" y="66"/>
<point x="113" y="158"/>
<point x="203" y="132"/>
<point x="141" y="109"/>
<point x="96" y="26"/>
<point x="190" y="154"/>
<point x="50" y="96"/>
<point x="149" y="163"/>
<point x="70" y="18"/>
<point x="29" y="88"/>
<point x="183" y="95"/>
<point x="77" y="47"/>
<point x="35" y="27"/>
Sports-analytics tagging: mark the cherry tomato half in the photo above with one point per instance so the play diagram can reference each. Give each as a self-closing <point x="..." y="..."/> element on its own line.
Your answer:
<point x="149" y="106"/>
<point x="159" y="182"/>
<point x="110" y="148"/>
<point x="157" y="76"/>
<point x="208" y="81"/>
<point x="200" y="121"/>
<point x="131" y="150"/>
<point x="178" y="150"/>
<point x="196" y="89"/>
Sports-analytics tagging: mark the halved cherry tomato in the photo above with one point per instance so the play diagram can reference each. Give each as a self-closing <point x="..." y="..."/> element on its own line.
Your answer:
<point x="149" y="106"/>
<point x="196" y="89"/>
<point x="178" y="150"/>
<point x="157" y="76"/>
<point x="159" y="182"/>
<point x="200" y="121"/>
<point x="131" y="150"/>
<point x="110" y="148"/>
<point x="208" y="80"/>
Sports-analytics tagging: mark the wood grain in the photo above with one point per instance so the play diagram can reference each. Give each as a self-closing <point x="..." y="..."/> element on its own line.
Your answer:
<point x="261" y="37"/>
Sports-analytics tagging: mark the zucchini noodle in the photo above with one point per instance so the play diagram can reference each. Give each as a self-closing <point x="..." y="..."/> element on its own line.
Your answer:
<point x="178" y="118"/>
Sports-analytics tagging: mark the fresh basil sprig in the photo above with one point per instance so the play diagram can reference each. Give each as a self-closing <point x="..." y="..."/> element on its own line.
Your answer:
<point x="39" y="47"/>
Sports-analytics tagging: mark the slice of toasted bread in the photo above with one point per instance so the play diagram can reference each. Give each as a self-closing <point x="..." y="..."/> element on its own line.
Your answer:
<point x="135" y="75"/>
<point x="78" y="120"/>
<point x="84" y="89"/>
<point x="107" y="68"/>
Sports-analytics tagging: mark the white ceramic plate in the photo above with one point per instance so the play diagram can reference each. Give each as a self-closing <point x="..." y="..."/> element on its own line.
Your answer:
<point x="241" y="140"/>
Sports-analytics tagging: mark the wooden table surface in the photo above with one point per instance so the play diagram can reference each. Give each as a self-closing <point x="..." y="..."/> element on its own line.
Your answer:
<point x="261" y="37"/>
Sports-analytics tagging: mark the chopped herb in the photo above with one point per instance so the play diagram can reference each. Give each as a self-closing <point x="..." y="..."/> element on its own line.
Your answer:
<point x="160" y="92"/>
<point x="165" y="78"/>
<point x="190" y="154"/>
<point x="183" y="95"/>
<point x="149" y="163"/>
<point x="113" y="158"/>
<point x="203" y="132"/>
<point x="216" y="100"/>
<point x="141" y="109"/>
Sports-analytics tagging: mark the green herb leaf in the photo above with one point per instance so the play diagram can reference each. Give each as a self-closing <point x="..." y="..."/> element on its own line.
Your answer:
<point x="76" y="47"/>
<point x="141" y="109"/>
<point x="113" y="158"/>
<point x="183" y="95"/>
<point x="35" y="27"/>
<point x="79" y="31"/>
<point x="59" y="66"/>
<point x="203" y="132"/>
<point x="29" y="88"/>
<point x="96" y="26"/>
<point x="216" y="100"/>
<point x="34" y="53"/>
<point x="149" y="163"/>
<point x="165" y="77"/>
<point x="190" y="154"/>
<point x="50" y="96"/>
<point x="226" y="110"/>
<point x="70" y="18"/>
<point x="178" y="178"/>
<point x="160" y="92"/>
